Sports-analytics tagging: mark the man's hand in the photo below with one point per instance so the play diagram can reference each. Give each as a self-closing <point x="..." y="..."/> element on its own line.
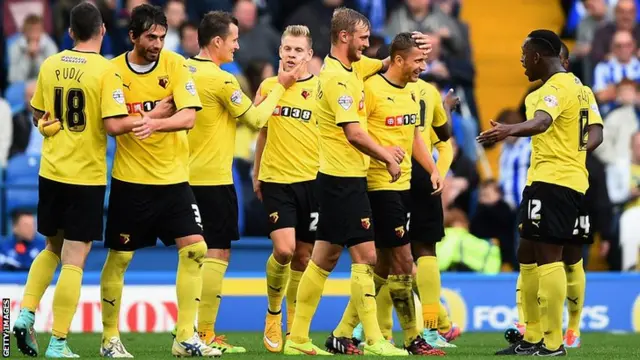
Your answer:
<point x="437" y="183"/>
<point x="48" y="127"/>
<point x="396" y="152"/>
<point x="451" y="100"/>
<point x="257" y="188"/>
<point x="394" y="170"/>
<point x="423" y="41"/>
<point x="144" y="127"/>
<point x="288" y="78"/>
<point x="164" y="108"/>
<point x="497" y="133"/>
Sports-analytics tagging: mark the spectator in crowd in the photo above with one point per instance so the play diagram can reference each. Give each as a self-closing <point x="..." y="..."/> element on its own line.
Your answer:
<point x="465" y="179"/>
<point x="316" y="14"/>
<point x="597" y="16"/>
<point x="419" y="15"/>
<point x="256" y="40"/>
<point x="620" y="124"/>
<point x="28" y="52"/>
<point x="62" y="11"/>
<point x="623" y="176"/>
<point x="495" y="219"/>
<point x="625" y="19"/>
<point x="18" y="251"/>
<point x="197" y="8"/>
<point x="176" y="15"/>
<point x="23" y="124"/>
<point x="188" y="39"/>
<point x="515" y="158"/>
<point x="623" y="64"/>
<point x="120" y="31"/>
<point x="6" y="132"/>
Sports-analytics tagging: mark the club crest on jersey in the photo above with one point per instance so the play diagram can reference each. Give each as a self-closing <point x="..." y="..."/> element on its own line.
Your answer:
<point x="400" y="231"/>
<point x="163" y="81"/>
<point x="366" y="223"/>
<point x="305" y="94"/>
<point x="273" y="217"/>
<point x="345" y="101"/>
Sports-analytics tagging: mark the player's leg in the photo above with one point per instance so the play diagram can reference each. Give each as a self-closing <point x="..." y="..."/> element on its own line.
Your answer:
<point x="280" y="206"/>
<point x="324" y="258"/>
<point x="384" y="303"/>
<point x="515" y="332"/>
<point x="217" y="212"/>
<point x="82" y="223"/>
<point x="43" y="267"/>
<point x="576" y="283"/>
<point x="299" y="263"/>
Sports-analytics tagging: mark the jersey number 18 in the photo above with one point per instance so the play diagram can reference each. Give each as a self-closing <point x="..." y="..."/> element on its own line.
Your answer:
<point x="74" y="116"/>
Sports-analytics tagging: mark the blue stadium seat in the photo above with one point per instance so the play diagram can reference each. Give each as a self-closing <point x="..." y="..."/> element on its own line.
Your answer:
<point x="15" y="96"/>
<point x="106" y="194"/>
<point x="22" y="182"/>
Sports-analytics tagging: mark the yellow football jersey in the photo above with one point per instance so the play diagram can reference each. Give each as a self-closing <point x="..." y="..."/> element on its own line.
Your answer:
<point x="392" y="117"/>
<point x="291" y="152"/>
<point x="80" y="89"/>
<point x="432" y="110"/>
<point x="212" y="140"/>
<point x="558" y="155"/>
<point x="340" y="100"/>
<point x="594" y="112"/>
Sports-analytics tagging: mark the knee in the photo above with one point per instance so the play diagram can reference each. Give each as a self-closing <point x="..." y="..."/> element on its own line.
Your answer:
<point x="119" y="259"/>
<point x="571" y="255"/>
<point x="326" y="262"/>
<point x="526" y="252"/>
<point x="75" y="253"/>
<point x="220" y="254"/>
<point x="423" y="249"/>
<point x="366" y="256"/>
<point x="402" y="263"/>
<point x="54" y="244"/>
<point x="300" y="259"/>
<point x="283" y="253"/>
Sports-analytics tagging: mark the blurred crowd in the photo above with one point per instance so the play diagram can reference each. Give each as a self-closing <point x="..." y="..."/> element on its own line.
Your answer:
<point x="605" y="56"/>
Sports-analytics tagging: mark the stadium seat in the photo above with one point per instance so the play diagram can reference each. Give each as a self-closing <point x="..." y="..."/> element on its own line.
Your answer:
<point x="8" y="42"/>
<point x="629" y="239"/>
<point x="21" y="182"/>
<point x="15" y="96"/>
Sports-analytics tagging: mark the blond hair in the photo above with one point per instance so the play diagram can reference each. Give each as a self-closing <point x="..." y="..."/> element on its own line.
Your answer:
<point x="345" y="19"/>
<point x="298" y="31"/>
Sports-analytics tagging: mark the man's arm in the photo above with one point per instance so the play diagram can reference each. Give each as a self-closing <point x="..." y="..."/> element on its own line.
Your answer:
<point x="184" y="119"/>
<point x="539" y="124"/>
<point x="260" y="143"/>
<point x="595" y="137"/>
<point x="445" y="156"/>
<point x="363" y="142"/>
<point x="422" y="155"/>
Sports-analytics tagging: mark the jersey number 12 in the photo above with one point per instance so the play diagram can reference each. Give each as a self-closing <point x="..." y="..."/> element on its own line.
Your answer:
<point x="73" y="103"/>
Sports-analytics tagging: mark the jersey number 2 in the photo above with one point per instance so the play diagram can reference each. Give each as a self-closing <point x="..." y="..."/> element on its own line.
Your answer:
<point x="74" y="116"/>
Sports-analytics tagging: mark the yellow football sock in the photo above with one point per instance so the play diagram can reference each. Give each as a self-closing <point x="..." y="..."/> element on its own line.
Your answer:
<point x="402" y="297"/>
<point x="188" y="287"/>
<point x="576" y="283"/>
<point x="292" y="293"/>
<point x="553" y="290"/>
<point x="213" y="271"/>
<point x="529" y="294"/>
<point x="363" y="297"/>
<point x="111" y="284"/>
<point x="277" y="278"/>
<point x="444" y="323"/>
<point x="428" y="280"/>
<point x="309" y="293"/>
<point x="65" y="299"/>
<point x="40" y="276"/>
<point x="384" y="306"/>
<point x="521" y="318"/>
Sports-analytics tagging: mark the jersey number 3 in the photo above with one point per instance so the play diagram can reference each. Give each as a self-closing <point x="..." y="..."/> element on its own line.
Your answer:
<point x="73" y="103"/>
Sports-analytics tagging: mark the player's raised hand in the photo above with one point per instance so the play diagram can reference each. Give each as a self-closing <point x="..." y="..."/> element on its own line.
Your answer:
<point x="438" y="183"/>
<point x="423" y="41"/>
<point x="47" y="126"/>
<point x="451" y="100"/>
<point x="396" y="152"/>
<point x="164" y="108"/>
<point x="143" y="127"/>
<point x="394" y="170"/>
<point x="288" y="78"/>
<point x="498" y="132"/>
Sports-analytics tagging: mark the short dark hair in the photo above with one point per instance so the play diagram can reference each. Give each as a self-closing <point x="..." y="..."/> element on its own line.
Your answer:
<point x="144" y="17"/>
<point x="18" y="213"/>
<point x="345" y="19"/>
<point x="547" y="42"/>
<point x="85" y="21"/>
<point x="564" y="50"/>
<point x="401" y="44"/>
<point x="214" y="23"/>
<point x="186" y="25"/>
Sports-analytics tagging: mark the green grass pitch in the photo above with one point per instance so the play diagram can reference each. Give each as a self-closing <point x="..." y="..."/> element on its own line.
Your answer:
<point x="470" y="346"/>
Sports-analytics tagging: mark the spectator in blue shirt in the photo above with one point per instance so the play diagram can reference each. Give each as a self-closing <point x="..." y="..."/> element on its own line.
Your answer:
<point x="19" y="250"/>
